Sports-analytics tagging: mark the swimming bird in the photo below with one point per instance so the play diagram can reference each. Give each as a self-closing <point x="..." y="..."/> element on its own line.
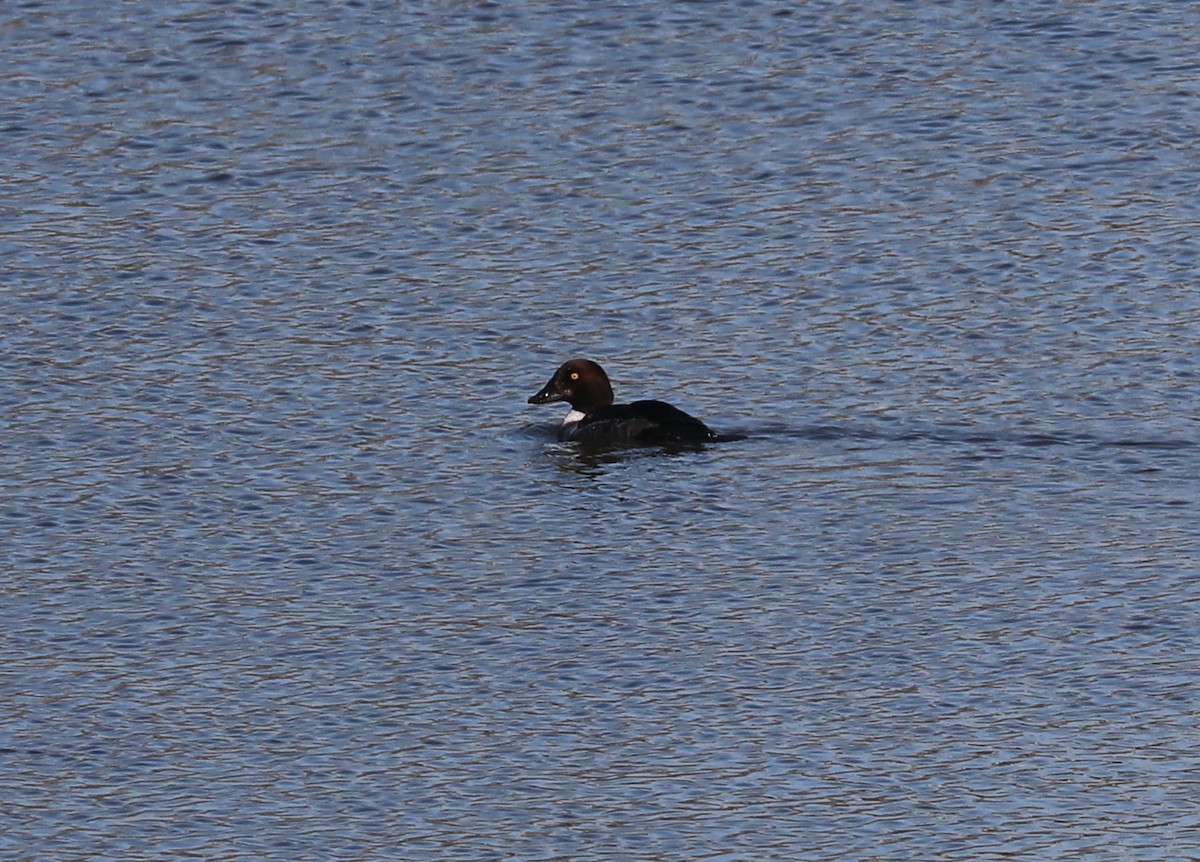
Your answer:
<point x="594" y="418"/>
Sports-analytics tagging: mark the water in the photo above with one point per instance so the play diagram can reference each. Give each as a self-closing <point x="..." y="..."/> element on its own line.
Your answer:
<point x="291" y="570"/>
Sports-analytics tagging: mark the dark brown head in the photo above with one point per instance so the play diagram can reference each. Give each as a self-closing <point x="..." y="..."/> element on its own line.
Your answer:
<point x="581" y="383"/>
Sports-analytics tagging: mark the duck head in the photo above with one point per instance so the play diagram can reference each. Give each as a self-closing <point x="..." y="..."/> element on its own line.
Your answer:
<point x="581" y="383"/>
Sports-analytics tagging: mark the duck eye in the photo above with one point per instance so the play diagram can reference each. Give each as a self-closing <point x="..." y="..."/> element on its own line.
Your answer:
<point x="574" y="375"/>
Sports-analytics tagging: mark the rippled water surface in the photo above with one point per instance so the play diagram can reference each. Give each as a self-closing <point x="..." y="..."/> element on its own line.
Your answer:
<point x="292" y="571"/>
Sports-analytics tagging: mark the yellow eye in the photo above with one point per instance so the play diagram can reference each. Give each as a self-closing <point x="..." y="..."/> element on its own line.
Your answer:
<point x="574" y="375"/>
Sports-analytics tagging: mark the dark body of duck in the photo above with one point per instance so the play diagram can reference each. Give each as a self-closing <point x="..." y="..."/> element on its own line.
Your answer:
<point x="595" y="419"/>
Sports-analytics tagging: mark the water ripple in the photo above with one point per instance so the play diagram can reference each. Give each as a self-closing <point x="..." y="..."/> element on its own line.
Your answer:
<point x="293" y="571"/>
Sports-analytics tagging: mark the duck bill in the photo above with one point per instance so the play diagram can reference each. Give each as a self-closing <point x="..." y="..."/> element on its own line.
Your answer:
<point x="547" y="395"/>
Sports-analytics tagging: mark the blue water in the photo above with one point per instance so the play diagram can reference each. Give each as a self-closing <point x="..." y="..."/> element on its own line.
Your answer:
<point x="292" y="571"/>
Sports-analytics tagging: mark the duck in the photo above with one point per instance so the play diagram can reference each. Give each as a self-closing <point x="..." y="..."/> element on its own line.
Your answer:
<point x="595" y="419"/>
